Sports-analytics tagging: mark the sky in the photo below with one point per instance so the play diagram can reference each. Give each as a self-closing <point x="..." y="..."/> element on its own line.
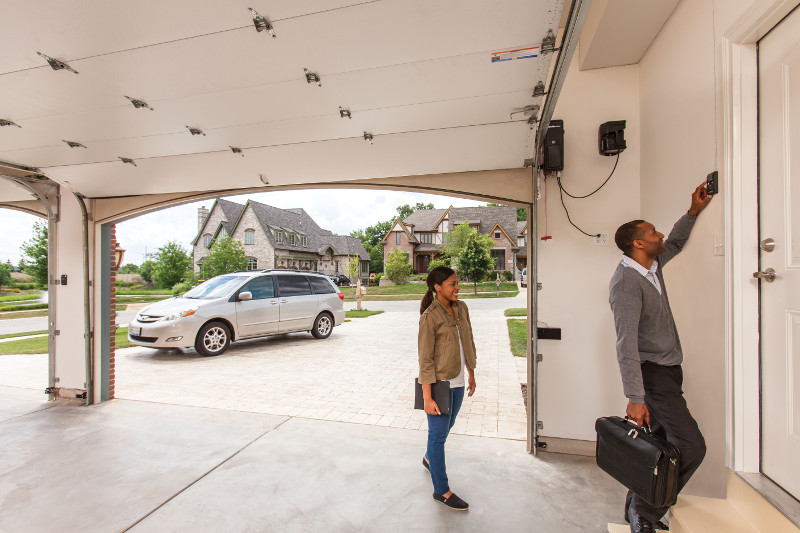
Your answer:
<point x="340" y="211"/>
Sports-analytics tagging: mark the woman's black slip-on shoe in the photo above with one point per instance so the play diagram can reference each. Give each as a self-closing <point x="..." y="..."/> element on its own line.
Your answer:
<point x="453" y="502"/>
<point x="426" y="464"/>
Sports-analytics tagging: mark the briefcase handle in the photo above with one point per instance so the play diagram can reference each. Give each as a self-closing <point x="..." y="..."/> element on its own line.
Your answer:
<point x="644" y="425"/>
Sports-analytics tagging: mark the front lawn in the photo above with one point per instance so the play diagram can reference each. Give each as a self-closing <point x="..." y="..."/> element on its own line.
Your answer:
<point x="40" y="344"/>
<point x="421" y="288"/>
<point x="354" y="313"/>
<point x="19" y="297"/>
<point x="518" y="334"/>
<point x="516" y="311"/>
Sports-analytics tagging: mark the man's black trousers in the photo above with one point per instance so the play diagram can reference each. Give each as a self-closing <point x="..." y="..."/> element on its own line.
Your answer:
<point x="669" y="418"/>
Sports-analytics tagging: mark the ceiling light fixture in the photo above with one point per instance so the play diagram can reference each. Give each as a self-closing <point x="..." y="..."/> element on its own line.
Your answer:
<point x="312" y="77"/>
<point x="138" y="104"/>
<point x="73" y="144"/>
<point x="236" y="150"/>
<point x="261" y="23"/>
<point x="57" y="64"/>
<point x="128" y="160"/>
<point x="345" y="113"/>
<point x="368" y="137"/>
<point x="263" y="179"/>
<point x="195" y="131"/>
<point x="4" y="122"/>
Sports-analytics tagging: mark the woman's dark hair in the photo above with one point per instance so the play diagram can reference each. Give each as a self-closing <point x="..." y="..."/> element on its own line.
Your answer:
<point x="437" y="276"/>
<point x="626" y="234"/>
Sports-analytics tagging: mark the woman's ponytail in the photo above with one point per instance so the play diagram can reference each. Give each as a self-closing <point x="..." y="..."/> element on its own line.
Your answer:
<point x="437" y="276"/>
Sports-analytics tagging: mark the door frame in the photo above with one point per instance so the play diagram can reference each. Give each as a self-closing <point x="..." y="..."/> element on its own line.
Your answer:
<point x="738" y="95"/>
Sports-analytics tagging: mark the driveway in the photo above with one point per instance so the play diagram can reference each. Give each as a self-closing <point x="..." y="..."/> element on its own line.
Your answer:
<point x="362" y="374"/>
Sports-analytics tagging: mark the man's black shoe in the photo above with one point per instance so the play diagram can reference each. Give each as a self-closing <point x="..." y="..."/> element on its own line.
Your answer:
<point x="453" y="502"/>
<point x="426" y="464"/>
<point x="639" y="524"/>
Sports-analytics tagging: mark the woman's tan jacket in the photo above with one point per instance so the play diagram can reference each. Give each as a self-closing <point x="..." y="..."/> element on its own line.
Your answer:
<point x="439" y="356"/>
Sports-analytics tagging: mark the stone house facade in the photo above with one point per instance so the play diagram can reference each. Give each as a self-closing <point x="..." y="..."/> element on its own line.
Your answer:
<point x="423" y="235"/>
<point x="277" y="238"/>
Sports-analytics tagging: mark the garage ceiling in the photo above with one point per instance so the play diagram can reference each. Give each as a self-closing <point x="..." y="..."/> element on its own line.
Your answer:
<point x="417" y="75"/>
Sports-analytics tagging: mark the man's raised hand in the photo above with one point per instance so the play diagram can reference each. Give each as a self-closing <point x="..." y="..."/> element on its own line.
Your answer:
<point x="700" y="199"/>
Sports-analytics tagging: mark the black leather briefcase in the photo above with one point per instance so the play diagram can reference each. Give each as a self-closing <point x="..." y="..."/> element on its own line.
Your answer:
<point x="643" y="462"/>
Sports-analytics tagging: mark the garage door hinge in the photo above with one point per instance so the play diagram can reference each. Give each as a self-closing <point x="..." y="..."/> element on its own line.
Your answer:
<point x="539" y="358"/>
<point x="539" y="424"/>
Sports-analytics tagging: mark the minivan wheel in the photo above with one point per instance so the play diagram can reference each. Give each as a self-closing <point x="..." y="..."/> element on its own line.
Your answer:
<point x="213" y="339"/>
<point x="323" y="326"/>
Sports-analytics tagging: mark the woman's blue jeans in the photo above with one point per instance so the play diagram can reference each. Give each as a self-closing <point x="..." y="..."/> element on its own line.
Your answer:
<point x="438" y="428"/>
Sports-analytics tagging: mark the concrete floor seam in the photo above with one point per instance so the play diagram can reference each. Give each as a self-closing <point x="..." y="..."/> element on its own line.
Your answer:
<point x="190" y="485"/>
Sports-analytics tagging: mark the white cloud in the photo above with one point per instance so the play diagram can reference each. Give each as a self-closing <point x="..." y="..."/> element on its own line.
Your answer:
<point x="339" y="210"/>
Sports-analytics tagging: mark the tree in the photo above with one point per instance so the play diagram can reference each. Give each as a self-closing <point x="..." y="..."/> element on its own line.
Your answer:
<point x="146" y="271"/>
<point x="226" y="256"/>
<point x="372" y="236"/>
<point x="5" y="273"/>
<point x="397" y="266"/>
<point x="129" y="268"/>
<point x="35" y="251"/>
<point x="457" y="243"/>
<point x="172" y="265"/>
<point x="476" y="260"/>
<point x="353" y="267"/>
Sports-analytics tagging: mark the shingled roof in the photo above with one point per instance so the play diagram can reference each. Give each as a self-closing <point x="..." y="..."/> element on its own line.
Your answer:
<point x="424" y="219"/>
<point x="486" y="217"/>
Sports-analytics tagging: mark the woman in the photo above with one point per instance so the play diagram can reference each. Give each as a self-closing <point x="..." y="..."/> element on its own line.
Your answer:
<point x="445" y="348"/>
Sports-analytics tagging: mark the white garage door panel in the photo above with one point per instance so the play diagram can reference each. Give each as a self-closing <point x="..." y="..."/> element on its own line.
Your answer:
<point x="455" y="150"/>
<point x="73" y="30"/>
<point x="447" y="114"/>
<point x="10" y="192"/>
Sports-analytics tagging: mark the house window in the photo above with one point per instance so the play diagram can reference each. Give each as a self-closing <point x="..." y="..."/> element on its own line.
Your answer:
<point x="365" y="267"/>
<point x="291" y="240"/>
<point x="252" y="263"/>
<point x="207" y="240"/>
<point x="397" y="237"/>
<point x="249" y="236"/>
<point x="303" y="240"/>
<point x="279" y="237"/>
<point x="337" y="267"/>
<point x="499" y="257"/>
<point x="425" y="238"/>
<point x="496" y="234"/>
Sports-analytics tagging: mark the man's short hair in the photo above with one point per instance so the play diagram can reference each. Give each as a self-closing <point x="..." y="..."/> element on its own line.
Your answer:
<point x="626" y="234"/>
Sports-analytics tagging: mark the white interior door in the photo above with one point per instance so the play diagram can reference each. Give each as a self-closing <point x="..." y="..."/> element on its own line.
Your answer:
<point x="779" y="207"/>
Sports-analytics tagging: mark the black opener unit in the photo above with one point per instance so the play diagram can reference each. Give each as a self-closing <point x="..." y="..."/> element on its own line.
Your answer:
<point x="611" y="137"/>
<point x="553" y="160"/>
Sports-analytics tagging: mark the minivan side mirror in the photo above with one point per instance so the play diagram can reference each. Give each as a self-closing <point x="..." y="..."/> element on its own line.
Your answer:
<point x="245" y="296"/>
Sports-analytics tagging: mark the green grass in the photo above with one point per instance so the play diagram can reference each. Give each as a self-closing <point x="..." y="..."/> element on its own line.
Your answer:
<point x="10" y="335"/>
<point x="19" y="298"/>
<point x="22" y="314"/>
<point x="124" y="292"/>
<point x="4" y="308"/>
<point x="421" y="288"/>
<point x="518" y="333"/>
<point x="40" y="344"/>
<point x="516" y="311"/>
<point x="361" y="314"/>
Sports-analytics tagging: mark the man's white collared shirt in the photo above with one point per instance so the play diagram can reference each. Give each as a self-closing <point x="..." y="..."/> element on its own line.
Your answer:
<point x="650" y="275"/>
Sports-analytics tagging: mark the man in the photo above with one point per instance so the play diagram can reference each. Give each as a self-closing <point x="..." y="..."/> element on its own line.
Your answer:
<point x="649" y="350"/>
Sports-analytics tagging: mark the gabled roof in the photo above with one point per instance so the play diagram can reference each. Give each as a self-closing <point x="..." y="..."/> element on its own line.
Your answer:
<point x="522" y="227"/>
<point x="510" y="239"/>
<point x="400" y="223"/>
<point x="486" y="217"/>
<point x="425" y="219"/>
<point x="231" y="211"/>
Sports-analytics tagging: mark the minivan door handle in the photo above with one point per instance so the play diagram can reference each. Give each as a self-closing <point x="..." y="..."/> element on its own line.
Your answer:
<point x="273" y="302"/>
<point x="284" y="301"/>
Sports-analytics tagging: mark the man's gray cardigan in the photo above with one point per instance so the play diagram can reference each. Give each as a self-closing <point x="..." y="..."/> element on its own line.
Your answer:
<point x="645" y="328"/>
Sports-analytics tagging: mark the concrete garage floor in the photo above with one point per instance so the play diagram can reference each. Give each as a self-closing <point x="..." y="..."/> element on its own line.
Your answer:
<point x="144" y="467"/>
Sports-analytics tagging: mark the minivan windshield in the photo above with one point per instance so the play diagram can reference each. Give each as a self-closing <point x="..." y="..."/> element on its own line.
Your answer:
<point x="215" y="288"/>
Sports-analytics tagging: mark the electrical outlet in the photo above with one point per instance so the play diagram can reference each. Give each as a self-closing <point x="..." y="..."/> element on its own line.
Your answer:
<point x="600" y="239"/>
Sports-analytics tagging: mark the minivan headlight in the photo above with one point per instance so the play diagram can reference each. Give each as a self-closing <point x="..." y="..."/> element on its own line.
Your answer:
<point x="183" y="313"/>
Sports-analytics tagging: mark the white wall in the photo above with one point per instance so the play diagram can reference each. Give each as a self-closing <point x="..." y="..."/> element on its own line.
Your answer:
<point x="579" y="377"/>
<point x="677" y="81"/>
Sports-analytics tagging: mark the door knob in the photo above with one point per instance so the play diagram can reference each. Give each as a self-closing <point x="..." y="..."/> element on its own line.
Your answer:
<point x="768" y="275"/>
<point x="767" y="245"/>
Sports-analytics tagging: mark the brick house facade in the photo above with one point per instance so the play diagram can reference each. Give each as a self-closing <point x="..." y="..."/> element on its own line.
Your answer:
<point x="423" y="234"/>
<point x="277" y="238"/>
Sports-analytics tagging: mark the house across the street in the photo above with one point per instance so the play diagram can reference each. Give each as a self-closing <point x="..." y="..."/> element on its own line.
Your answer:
<point x="277" y="238"/>
<point x="423" y="234"/>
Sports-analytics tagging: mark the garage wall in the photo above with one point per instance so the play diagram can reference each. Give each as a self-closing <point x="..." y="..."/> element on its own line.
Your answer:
<point x="677" y="82"/>
<point x="579" y="377"/>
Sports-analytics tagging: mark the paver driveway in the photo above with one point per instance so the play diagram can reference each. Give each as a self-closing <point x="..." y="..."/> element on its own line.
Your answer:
<point x="362" y="374"/>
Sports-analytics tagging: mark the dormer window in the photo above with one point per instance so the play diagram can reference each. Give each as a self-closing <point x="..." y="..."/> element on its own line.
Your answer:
<point x="291" y="239"/>
<point x="207" y="240"/>
<point x="249" y="236"/>
<point x="279" y="237"/>
<point x="425" y="238"/>
<point x="303" y="241"/>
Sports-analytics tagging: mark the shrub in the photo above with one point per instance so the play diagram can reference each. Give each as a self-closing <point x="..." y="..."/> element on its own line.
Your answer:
<point x="438" y="263"/>
<point x="423" y="277"/>
<point x="123" y="284"/>
<point x="180" y="288"/>
<point x="506" y="275"/>
<point x="397" y="266"/>
<point x="25" y="286"/>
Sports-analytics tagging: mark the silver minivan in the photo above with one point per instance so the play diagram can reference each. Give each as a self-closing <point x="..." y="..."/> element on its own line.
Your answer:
<point x="238" y="306"/>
